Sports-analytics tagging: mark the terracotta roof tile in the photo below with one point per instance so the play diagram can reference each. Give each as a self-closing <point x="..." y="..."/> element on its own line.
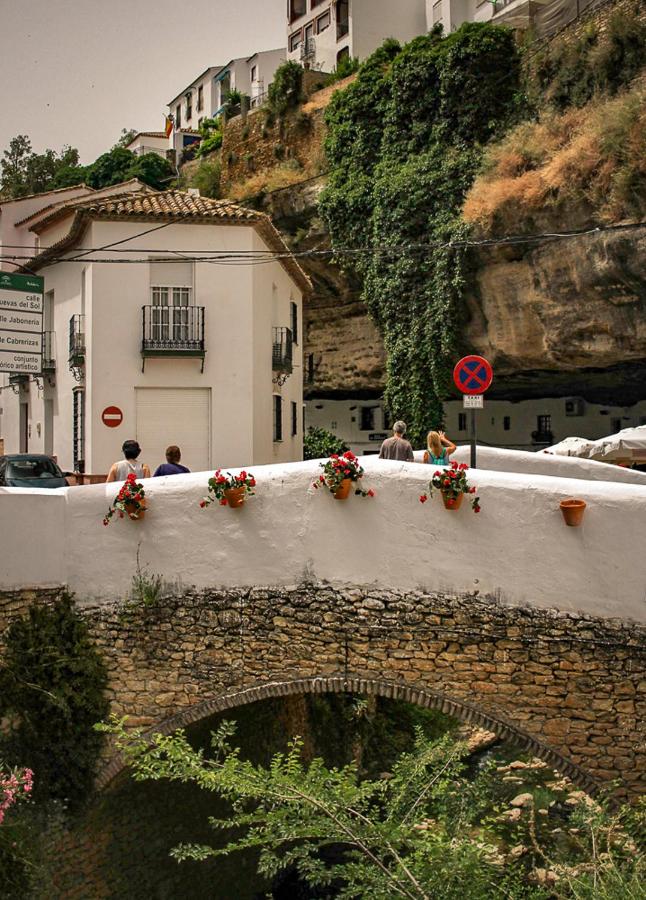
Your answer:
<point x="173" y="206"/>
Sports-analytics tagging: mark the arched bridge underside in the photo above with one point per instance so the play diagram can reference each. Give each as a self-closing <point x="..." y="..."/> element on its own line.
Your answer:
<point x="568" y="687"/>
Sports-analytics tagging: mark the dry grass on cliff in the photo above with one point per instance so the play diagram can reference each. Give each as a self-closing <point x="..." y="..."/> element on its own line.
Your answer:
<point x="282" y="176"/>
<point x="592" y="159"/>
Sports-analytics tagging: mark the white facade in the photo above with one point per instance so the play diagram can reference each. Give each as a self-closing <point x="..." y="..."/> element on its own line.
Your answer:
<point x="517" y="549"/>
<point x="450" y="14"/>
<point x="320" y="33"/>
<point x="219" y="416"/>
<point x="363" y="424"/>
<point x="205" y="97"/>
<point x="15" y="215"/>
<point x="149" y="142"/>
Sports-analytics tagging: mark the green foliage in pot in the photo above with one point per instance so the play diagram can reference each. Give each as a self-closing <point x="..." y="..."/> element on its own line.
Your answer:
<point x="320" y="444"/>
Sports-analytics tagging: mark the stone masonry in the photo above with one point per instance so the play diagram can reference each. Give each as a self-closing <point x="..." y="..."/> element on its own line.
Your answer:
<point x="568" y="687"/>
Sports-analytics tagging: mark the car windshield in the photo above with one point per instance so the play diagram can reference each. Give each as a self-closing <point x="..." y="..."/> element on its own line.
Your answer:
<point x="33" y="468"/>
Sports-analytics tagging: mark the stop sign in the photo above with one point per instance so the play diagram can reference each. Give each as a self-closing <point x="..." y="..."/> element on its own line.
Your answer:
<point x="112" y="416"/>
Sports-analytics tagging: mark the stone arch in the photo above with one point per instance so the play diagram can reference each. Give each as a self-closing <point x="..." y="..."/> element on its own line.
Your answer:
<point x="354" y="684"/>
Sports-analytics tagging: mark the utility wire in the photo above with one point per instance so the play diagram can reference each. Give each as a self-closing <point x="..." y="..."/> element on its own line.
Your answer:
<point x="257" y="257"/>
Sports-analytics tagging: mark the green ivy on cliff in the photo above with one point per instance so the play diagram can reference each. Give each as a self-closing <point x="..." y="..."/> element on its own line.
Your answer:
<point x="404" y="143"/>
<point x="52" y="692"/>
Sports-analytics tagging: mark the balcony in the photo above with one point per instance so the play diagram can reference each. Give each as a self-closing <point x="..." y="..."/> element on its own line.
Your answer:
<point x="49" y="352"/>
<point x="282" y="355"/>
<point x="173" y="331"/>
<point x="77" y="341"/>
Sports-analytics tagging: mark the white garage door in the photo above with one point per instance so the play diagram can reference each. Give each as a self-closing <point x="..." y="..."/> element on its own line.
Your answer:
<point x="179" y="416"/>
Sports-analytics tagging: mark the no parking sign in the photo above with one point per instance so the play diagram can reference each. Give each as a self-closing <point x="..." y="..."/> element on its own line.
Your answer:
<point x="473" y="375"/>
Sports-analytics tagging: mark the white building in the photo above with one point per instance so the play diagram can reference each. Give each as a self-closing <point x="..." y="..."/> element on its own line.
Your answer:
<point x="149" y="142"/>
<point x="191" y="352"/>
<point x="321" y="33"/>
<point x="450" y="14"/>
<point x="205" y="97"/>
<point x="522" y="425"/>
<point x="19" y="218"/>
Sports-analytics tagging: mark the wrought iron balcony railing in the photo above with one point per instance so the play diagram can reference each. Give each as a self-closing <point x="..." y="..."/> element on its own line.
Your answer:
<point x="77" y="340"/>
<point x="49" y="351"/>
<point x="282" y="352"/>
<point x="173" y="331"/>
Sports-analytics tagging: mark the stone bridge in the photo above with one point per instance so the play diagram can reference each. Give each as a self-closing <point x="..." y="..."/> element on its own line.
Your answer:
<point x="506" y="619"/>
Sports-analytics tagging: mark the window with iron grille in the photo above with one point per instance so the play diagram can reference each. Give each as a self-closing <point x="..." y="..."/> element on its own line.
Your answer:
<point x="462" y="421"/>
<point x="189" y="106"/>
<point x="178" y="116"/>
<point x="293" y="310"/>
<point x="543" y="424"/>
<point x="278" y="417"/>
<point x="169" y="316"/>
<point x="200" y="98"/>
<point x="323" y="22"/>
<point x="506" y="423"/>
<point x="294" y="418"/>
<point x="296" y="8"/>
<point x="295" y="40"/>
<point x="367" y="418"/>
<point x="78" y="430"/>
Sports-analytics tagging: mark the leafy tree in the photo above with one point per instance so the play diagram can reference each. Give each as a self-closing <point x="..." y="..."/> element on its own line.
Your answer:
<point x="24" y="172"/>
<point x="52" y="689"/>
<point x="127" y="135"/>
<point x="426" y="831"/>
<point x="206" y="178"/>
<point x="152" y="169"/>
<point x="319" y="444"/>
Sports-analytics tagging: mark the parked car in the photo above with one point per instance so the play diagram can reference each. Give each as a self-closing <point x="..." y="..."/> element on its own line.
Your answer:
<point x="30" y="470"/>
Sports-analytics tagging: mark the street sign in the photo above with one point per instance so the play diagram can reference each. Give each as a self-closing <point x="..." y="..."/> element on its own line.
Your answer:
<point x="112" y="416"/>
<point x="377" y="436"/>
<point x="21" y="323"/>
<point x="472" y="375"/>
<point x="473" y="401"/>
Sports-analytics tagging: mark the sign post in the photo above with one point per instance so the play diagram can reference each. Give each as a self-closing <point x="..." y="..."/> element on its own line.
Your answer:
<point x="21" y="324"/>
<point x="473" y="375"/>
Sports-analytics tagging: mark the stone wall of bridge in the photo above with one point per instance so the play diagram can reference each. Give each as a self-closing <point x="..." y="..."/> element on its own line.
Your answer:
<point x="569" y="687"/>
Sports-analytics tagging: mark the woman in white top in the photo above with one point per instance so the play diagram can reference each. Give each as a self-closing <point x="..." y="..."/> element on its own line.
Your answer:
<point x="120" y="470"/>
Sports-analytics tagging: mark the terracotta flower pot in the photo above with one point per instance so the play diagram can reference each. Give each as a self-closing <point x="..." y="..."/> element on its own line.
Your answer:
<point x="573" y="511"/>
<point x="452" y="502"/>
<point x="343" y="490"/>
<point x="131" y="510"/>
<point x="235" y="497"/>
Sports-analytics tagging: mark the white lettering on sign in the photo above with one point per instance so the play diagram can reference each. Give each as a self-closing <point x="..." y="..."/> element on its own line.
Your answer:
<point x="473" y="401"/>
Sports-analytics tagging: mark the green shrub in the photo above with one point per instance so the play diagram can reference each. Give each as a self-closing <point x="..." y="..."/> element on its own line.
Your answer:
<point x="210" y="144"/>
<point x="52" y="691"/>
<point x="206" y="178"/>
<point x="345" y="68"/>
<point x="279" y="151"/>
<point x="319" y="444"/>
<point x="286" y="90"/>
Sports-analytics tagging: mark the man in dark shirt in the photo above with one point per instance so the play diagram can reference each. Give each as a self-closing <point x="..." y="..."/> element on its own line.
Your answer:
<point x="397" y="447"/>
<point x="171" y="466"/>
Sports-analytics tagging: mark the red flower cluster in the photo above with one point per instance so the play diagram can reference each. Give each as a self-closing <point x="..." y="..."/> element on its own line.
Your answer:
<point x="129" y="501"/>
<point x="219" y="484"/>
<point x="452" y="481"/>
<point x="339" y="468"/>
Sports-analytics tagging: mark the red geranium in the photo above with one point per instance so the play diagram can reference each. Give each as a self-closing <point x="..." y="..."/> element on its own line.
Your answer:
<point x="452" y="482"/>
<point x="339" y="468"/>
<point x="219" y="484"/>
<point x="129" y="501"/>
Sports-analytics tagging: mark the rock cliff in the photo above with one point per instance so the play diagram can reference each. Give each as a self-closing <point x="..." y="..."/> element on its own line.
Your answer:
<point x="564" y="317"/>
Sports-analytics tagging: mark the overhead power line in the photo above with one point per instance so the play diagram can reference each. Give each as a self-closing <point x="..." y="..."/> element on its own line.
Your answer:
<point x="258" y="257"/>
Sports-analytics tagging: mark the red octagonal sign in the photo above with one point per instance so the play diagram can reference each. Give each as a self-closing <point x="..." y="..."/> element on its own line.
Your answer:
<point x="473" y="375"/>
<point x="112" y="416"/>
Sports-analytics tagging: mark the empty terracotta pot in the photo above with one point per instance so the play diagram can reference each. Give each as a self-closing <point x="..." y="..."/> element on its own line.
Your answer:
<point x="343" y="490"/>
<point x="573" y="511"/>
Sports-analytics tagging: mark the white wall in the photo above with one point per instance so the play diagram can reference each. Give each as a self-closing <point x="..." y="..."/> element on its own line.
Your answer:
<point x="497" y="460"/>
<point x="452" y="13"/>
<point x="373" y="22"/>
<point x="14" y="211"/>
<point x="517" y="549"/>
<point x="146" y="143"/>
